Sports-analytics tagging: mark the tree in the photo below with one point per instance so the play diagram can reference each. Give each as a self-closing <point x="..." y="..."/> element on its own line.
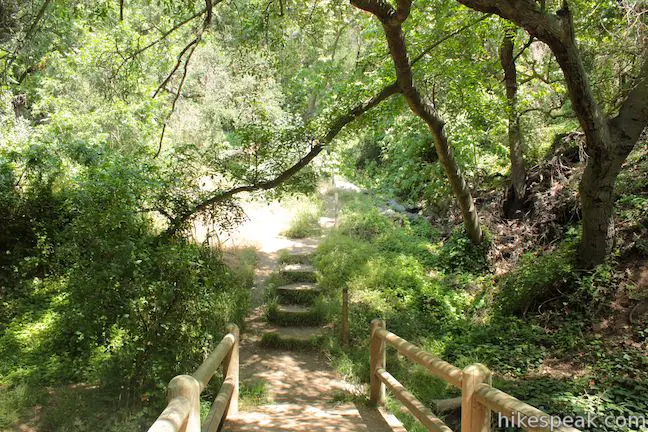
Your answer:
<point x="609" y="138"/>
<point x="516" y="154"/>
<point x="392" y="21"/>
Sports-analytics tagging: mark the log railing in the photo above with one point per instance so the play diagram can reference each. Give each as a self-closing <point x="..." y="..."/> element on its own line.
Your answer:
<point x="478" y="397"/>
<point x="182" y="413"/>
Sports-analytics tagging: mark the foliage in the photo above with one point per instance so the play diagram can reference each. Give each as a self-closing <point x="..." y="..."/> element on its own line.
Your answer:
<point x="460" y="254"/>
<point x="466" y="318"/>
<point x="537" y="278"/>
<point x="305" y="223"/>
<point x="112" y="128"/>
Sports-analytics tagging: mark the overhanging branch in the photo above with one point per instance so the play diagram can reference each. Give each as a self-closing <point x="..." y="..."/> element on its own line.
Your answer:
<point x="335" y="127"/>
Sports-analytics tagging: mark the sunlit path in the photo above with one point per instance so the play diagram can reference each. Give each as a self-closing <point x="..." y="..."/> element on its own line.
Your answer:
<point x="302" y="391"/>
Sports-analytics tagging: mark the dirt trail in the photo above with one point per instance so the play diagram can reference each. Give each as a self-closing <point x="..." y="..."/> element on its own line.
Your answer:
<point x="303" y="391"/>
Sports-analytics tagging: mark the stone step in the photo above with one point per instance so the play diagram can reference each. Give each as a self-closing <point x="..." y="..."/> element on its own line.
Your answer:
<point x="298" y="293"/>
<point x="288" y="257"/>
<point x="294" y="338"/>
<point x="293" y="273"/>
<point x="295" y="315"/>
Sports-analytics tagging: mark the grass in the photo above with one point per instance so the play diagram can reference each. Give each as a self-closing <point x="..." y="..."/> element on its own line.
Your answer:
<point x="285" y="257"/>
<point x="274" y="340"/>
<point x="305" y="222"/>
<point x="253" y="393"/>
<point x="77" y="407"/>
<point x="315" y="315"/>
<point x="284" y="277"/>
<point x="441" y="296"/>
<point x="296" y="297"/>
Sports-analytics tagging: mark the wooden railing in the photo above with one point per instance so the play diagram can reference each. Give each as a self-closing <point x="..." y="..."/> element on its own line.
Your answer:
<point x="182" y="413"/>
<point x="478" y="397"/>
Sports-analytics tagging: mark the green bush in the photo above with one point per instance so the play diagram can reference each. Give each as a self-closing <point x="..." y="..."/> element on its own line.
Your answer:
<point x="536" y="278"/>
<point x="365" y="225"/>
<point x="100" y="294"/>
<point x="337" y="259"/>
<point x="461" y="255"/>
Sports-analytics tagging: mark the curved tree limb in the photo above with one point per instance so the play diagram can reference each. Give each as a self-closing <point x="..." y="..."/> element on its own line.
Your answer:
<point x="392" y="21"/>
<point x="609" y="141"/>
<point x="335" y="127"/>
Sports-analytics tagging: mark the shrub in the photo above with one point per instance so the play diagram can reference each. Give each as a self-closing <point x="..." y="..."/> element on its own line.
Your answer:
<point x="364" y="225"/>
<point x="460" y="254"/>
<point x="536" y="278"/>
<point x="337" y="258"/>
<point x="103" y="295"/>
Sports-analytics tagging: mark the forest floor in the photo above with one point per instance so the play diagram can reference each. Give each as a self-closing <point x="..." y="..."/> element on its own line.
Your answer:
<point x="295" y="389"/>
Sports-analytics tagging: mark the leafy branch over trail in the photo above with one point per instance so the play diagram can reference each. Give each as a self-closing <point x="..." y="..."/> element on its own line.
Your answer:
<point x="336" y="126"/>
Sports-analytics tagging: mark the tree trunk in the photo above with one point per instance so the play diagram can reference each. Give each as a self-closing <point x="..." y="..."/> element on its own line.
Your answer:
<point x="597" y="200"/>
<point x="515" y="199"/>
<point x="609" y="140"/>
<point x="392" y="24"/>
<point x="598" y="224"/>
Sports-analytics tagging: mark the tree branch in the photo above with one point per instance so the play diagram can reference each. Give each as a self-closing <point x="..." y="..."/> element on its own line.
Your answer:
<point x="164" y="35"/>
<point x="524" y="48"/>
<point x="633" y="114"/>
<point x="191" y="47"/>
<point x="445" y="38"/>
<point x="392" y="26"/>
<point x="556" y="30"/>
<point x="176" y="96"/>
<point x="335" y="127"/>
<point x="28" y="34"/>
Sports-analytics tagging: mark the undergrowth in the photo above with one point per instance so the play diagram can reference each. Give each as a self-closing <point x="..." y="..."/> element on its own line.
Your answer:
<point x="305" y="223"/>
<point x="535" y="327"/>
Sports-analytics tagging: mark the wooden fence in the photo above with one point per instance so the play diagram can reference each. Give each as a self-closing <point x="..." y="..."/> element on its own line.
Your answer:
<point x="478" y="397"/>
<point x="182" y="413"/>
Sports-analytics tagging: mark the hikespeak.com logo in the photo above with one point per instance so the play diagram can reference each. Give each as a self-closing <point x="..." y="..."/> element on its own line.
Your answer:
<point x="525" y="421"/>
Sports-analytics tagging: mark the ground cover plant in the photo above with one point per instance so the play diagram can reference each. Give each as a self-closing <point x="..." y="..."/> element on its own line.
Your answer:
<point x="537" y="327"/>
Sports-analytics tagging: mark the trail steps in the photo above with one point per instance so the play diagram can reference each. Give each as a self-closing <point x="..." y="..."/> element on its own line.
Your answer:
<point x="281" y="350"/>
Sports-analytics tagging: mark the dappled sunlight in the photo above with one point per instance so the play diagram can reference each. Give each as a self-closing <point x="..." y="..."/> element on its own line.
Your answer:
<point x="301" y="388"/>
<point x="316" y="417"/>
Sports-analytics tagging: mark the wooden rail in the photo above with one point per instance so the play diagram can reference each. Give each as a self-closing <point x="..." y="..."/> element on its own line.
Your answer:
<point x="478" y="397"/>
<point x="182" y="413"/>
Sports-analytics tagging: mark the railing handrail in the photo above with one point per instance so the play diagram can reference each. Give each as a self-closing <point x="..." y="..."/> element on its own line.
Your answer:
<point x="478" y="397"/>
<point x="182" y="413"/>
<point x="434" y="365"/>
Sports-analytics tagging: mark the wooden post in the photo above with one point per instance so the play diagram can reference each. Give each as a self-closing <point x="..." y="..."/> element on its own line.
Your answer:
<point x="182" y="414"/>
<point x="474" y="416"/>
<point x="345" y="317"/>
<point x="378" y="360"/>
<point x="231" y="369"/>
